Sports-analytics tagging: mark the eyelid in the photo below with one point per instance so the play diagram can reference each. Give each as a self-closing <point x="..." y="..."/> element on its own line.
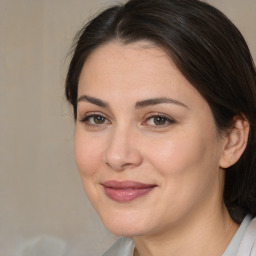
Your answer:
<point x="85" y="117"/>
<point x="169" y="119"/>
<point x="88" y="115"/>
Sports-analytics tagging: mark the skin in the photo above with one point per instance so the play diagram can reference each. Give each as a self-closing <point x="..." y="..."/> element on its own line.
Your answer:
<point x="182" y="155"/>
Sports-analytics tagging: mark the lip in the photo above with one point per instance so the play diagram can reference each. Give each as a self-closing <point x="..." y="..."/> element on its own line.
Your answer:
<point x="126" y="191"/>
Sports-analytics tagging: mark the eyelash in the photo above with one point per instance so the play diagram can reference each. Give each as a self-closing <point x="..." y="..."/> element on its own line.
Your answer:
<point x="87" y="118"/>
<point x="167" y="120"/>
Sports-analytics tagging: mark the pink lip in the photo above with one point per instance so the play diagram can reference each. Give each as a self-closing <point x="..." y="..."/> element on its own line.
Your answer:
<point x="126" y="191"/>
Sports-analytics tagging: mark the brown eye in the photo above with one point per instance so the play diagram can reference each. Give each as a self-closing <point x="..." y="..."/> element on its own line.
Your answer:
<point x="158" y="120"/>
<point x="95" y="120"/>
<point x="99" y="119"/>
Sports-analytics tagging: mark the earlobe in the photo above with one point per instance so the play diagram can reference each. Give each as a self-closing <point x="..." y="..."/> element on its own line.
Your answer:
<point x="236" y="142"/>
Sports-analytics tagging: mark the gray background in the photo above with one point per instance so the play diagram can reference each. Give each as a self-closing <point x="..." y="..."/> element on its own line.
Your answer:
<point x="44" y="210"/>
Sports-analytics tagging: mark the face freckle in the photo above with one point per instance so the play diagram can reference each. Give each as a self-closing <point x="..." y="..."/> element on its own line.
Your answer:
<point x="179" y="156"/>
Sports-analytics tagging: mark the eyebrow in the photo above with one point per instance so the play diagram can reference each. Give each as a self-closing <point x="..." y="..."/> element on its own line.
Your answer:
<point x="138" y="105"/>
<point x="94" y="101"/>
<point x="155" y="101"/>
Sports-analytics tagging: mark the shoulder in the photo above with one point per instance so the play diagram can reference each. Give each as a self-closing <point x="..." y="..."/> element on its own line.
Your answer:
<point x="122" y="247"/>
<point x="248" y="243"/>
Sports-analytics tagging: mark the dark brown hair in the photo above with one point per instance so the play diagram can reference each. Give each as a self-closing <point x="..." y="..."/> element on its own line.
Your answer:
<point x="210" y="52"/>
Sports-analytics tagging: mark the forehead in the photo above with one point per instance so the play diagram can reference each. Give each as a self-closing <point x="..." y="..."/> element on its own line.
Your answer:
<point x="138" y="69"/>
<point x="126" y="58"/>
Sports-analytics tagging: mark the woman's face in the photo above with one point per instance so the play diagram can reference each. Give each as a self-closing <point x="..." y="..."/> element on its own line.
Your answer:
<point x="146" y="144"/>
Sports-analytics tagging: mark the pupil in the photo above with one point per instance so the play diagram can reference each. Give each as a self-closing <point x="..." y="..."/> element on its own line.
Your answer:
<point x="99" y="119"/>
<point x="159" y="120"/>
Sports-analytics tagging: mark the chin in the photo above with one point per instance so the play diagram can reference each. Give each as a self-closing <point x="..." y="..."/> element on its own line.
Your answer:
<point x="126" y="230"/>
<point x="125" y="225"/>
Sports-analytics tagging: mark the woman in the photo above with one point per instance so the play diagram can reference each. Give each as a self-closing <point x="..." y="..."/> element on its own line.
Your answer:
<point x="164" y="99"/>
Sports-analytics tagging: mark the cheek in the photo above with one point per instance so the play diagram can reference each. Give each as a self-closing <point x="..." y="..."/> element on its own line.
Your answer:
<point x="87" y="156"/>
<point x="188" y="167"/>
<point x="186" y="159"/>
<point x="87" y="153"/>
<point x="175" y="153"/>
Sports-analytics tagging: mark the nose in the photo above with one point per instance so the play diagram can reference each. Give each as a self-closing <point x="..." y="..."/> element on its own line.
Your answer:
<point x="122" y="151"/>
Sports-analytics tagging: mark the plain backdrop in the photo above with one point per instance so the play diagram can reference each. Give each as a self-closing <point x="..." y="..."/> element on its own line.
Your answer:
<point x="43" y="206"/>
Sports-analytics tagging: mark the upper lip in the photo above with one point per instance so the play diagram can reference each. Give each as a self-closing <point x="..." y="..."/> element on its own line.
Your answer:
<point x="126" y="184"/>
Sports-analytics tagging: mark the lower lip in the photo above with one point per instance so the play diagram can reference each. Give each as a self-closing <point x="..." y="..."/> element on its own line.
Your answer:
<point x="126" y="195"/>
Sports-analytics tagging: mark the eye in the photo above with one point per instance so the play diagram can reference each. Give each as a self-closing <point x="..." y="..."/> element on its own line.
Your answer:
<point x="159" y="120"/>
<point x="95" y="120"/>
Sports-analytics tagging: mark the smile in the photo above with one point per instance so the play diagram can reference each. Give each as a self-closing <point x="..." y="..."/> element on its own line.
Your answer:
<point x="126" y="191"/>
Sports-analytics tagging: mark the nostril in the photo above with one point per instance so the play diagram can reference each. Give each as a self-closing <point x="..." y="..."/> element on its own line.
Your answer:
<point x="122" y="151"/>
<point x="122" y="159"/>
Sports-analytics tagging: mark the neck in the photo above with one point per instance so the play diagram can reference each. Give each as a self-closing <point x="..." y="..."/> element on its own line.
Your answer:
<point x="206" y="236"/>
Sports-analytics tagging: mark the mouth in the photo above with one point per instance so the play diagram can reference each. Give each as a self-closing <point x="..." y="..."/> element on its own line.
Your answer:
<point x="126" y="191"/>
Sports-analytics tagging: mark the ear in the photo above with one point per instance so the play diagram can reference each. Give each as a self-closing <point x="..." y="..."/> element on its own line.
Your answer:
<point x="236" y="142"/>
